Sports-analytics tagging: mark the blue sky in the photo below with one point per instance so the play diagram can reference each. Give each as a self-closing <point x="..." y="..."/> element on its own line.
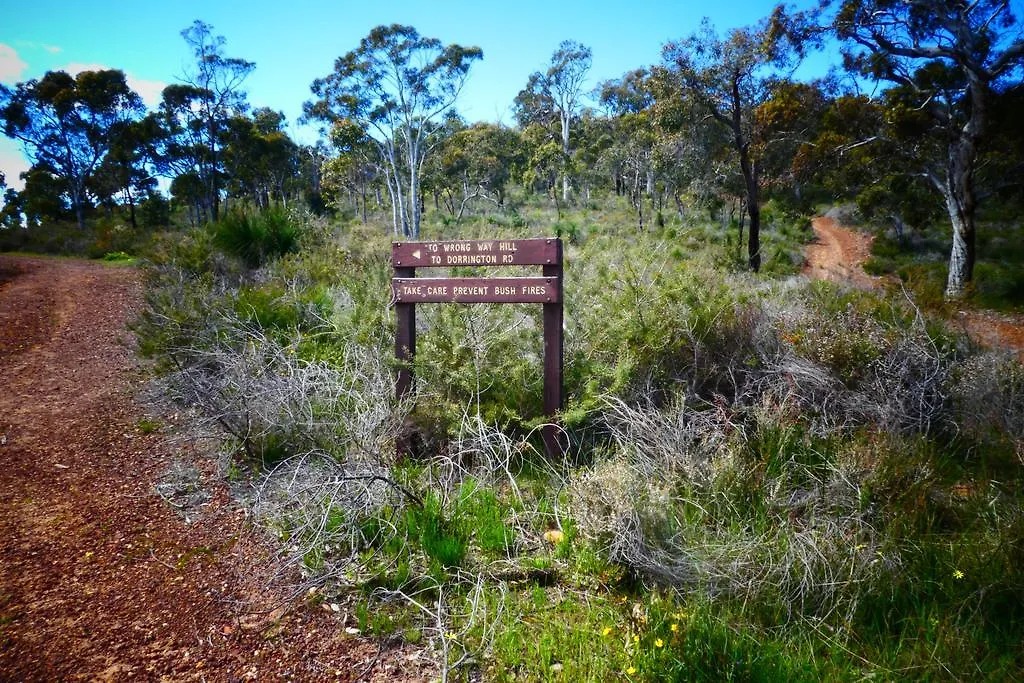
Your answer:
<point x="295" y="42"/>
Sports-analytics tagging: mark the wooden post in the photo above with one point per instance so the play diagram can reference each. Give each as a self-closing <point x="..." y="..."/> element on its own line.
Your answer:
<point x="554" y="401"/>
<point x="407" y="291"/>
<point x="405" y="352"/>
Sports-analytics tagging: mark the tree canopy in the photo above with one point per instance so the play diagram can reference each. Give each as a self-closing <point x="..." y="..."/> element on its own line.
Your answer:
<point x="922" y="120"/>
<point x="66" y="124"/>
<point x="396" y="85"/>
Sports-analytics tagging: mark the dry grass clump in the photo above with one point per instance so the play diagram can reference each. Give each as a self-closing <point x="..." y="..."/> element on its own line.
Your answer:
<point x="692" y="501"/>
<point x="317" y="419"/>
<point x="676" y="440"/>
<point x="275" y="403"/>
<point x="482" y="451"/>
<point x="988" y="390"/>
<point x="854" y="366"/>
<point x="318" y="507"/>
<point x="738" y="482"/>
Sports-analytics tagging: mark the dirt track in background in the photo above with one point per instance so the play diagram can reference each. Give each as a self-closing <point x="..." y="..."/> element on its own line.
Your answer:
<point x="100" y="578"/>
<point x="839" y="255"/>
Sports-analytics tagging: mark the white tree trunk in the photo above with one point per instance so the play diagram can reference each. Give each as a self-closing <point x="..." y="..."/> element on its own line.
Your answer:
<point x="959" y="258"/>
<point x="565" y="153"/>
<point x="414" y="189"/>
<point x="960" y="204"/>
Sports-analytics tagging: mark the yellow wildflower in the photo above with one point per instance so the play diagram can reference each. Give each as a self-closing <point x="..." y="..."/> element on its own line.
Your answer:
<point x="659" y="643"/>
<point x="607" y="631"/>
<point x="675" y="628"/>
<point x="554" y="536"/>
<point x="630" y="671"/>
<point x="957" y="574"/>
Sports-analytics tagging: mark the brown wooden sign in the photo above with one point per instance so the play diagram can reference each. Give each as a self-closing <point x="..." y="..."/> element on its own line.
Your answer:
<point x="407" y="290"/>
<point x="531" y="252"/>
<point x="476" y="290"/>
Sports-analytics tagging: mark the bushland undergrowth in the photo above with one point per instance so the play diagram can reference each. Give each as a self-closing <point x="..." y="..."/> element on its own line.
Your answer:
<point x="919" y="258"/>
<point x="768" y="479"/>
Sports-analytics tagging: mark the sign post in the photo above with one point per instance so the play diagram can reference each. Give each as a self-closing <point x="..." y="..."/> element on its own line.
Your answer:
<point x="407" y="290"/>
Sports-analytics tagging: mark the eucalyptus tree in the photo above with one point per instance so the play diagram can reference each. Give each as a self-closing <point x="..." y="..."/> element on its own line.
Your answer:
<point x="544" y="161"/>
<point x="183" y="154"/>
<point x="199" y="110"/>
<point x="43" y="199"/>
<point x="595" y="163"/>
<point x="11" y="210"/>
<point x="557" y="94"/>
<point x="355" y="169"/>
<point x="396" y="85"/>
<point x="478" y="161"/>
<point x="127" y="167"/>
<point x="694" y="161"/>
<point x="729" y="78"/>
<point x="311" y="175"/>
<point x="870" y="150"/>
<point x="65" y="124"/>
<point x="630" y="101"/>
<point x="948" y="57"/>
<point x="260" y="159"/>
<point x="785" y="122"/>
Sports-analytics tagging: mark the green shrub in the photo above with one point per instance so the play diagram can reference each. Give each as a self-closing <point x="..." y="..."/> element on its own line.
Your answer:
<point x="117" y="256"/>
<point x="256" y="238"/>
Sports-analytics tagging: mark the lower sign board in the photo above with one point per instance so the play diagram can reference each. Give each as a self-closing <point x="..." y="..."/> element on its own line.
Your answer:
<point x="475" y="290"/>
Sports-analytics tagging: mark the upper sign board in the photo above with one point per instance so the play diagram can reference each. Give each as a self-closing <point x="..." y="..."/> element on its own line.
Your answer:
<point x="528" y="252"/>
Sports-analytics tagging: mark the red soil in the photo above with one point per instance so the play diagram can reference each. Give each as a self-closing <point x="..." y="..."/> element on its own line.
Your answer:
<point x="100" y="579"/>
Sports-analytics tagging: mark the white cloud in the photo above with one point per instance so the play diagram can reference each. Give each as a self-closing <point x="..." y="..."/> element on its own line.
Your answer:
<point x="75" y="68"/>
<point x="12" y="163"/>
<point x="149" y="91"/>
<point x="11" y="65"/>
<point x="53" y="49"/>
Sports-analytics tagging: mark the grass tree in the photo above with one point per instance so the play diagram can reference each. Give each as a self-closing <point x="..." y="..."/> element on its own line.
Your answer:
<point x="396" y="85"/>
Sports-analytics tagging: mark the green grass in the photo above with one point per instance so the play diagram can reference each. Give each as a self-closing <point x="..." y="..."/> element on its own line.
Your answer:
<point x="148" y="426"/>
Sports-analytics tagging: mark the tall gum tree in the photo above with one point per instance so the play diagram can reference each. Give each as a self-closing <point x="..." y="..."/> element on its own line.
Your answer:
<point x="65" y="124"/>
<point x="952" y="55"/>
<point x="215" y="83"/>
<point x="557" y="93"/>
<point x="396" y="85"/>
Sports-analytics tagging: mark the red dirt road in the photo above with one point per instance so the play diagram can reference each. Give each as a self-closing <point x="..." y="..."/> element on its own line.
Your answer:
<point x="100" y="579"/>
<point x="840" y="253"/>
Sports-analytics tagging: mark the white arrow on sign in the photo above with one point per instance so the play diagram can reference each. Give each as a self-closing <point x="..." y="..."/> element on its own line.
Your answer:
<point x="416" y="254"/>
